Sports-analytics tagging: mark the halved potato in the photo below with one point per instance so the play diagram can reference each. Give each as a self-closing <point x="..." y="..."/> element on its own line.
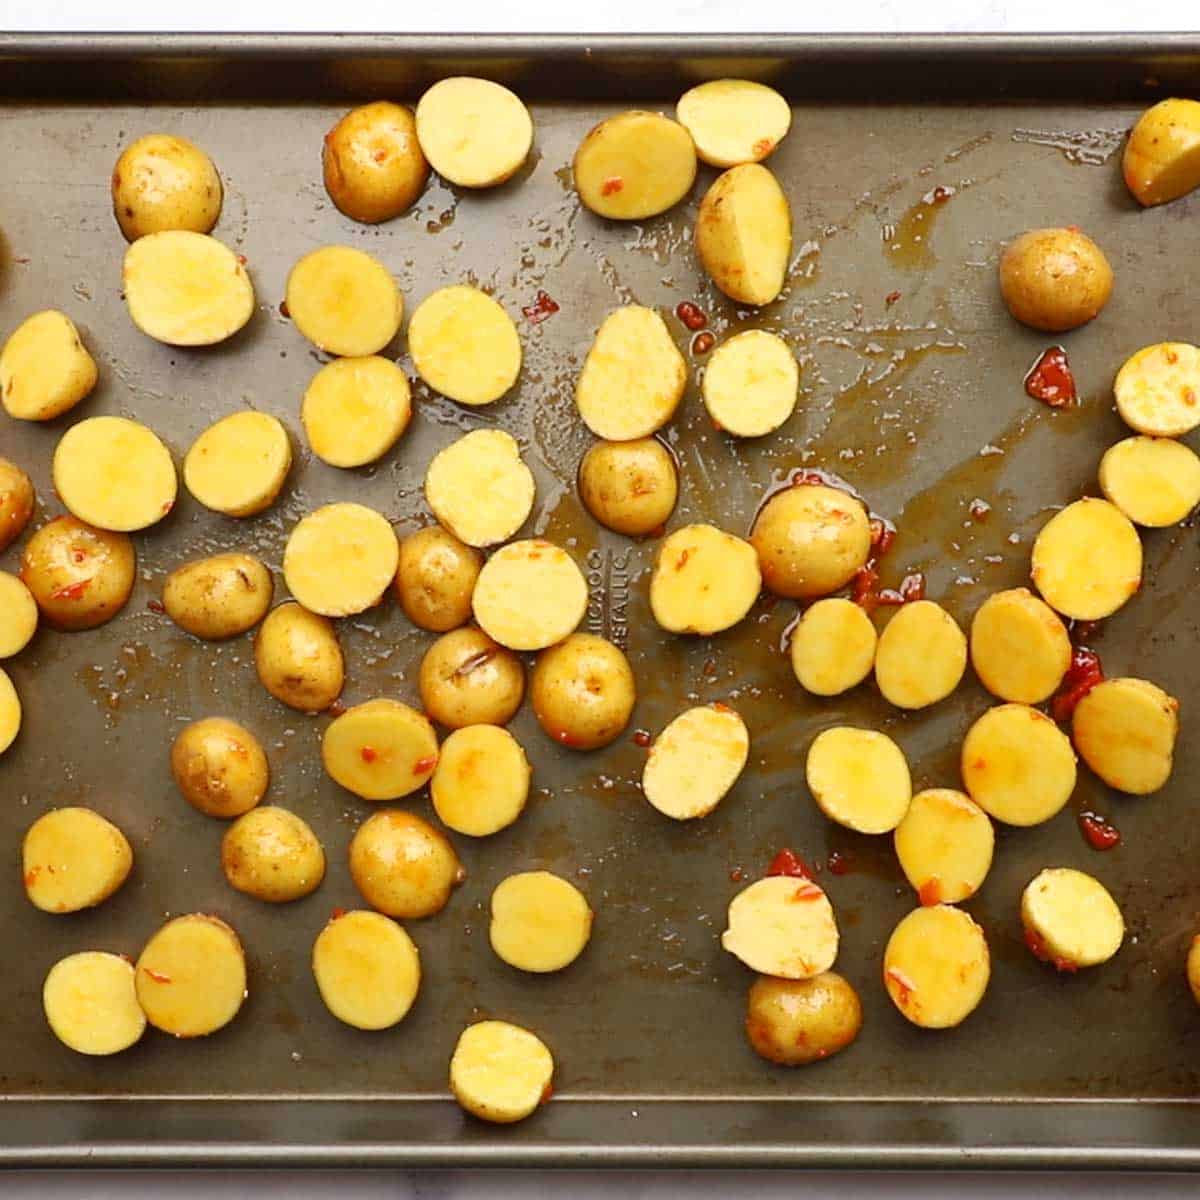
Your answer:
<point x="479" y="488"/>
<point x="1162" y="157"/>
<point x="1158" y="390"/>
<point x="751" y="384"/>
<point x="540" y="922"/>
<point x="832" y="647"/>
<point x="1019" y="648"/>
<point x="794" y="1022"/>
<point x="380" y="750"/>
<point x="164" y="181"/>
<point x="402" y="865"/>
<point x="481" y="781"/>
<point x="500" y="1072"/>
<point x="936" y="966"/>
<point x="583" y="691"/>
<point x="944" y="845"/>
<point x="344" y="301"/>
<point x="17" y="501"/>
<point x="705" y="580"/>
<point x="694" y="762"/>
<point x="1153" y="481"/>
<point x="859" y="778"/>
<point x="340" y="559"/>
<point x="921" y="657"/>
<point x="372" y="162"/>
<point x="629" y="487"/>
<point x="355" y="410"/>
<point x="218" y="597"/>
<point x="435" y="579"/>
<point x="237" y="466"/>
<point x="367" y="969"/>
<point x="734" y="121"/>
<point x="45" y="369"/>
<point x="782" y="926"/>
<point x="219" y="767"/>
<point x="299" y="659"/>
<point x="468" y="679"/>
<point x="91" y="1003"/>
<point x="530" y="595"/>
<point x="18" y="615"/>
<point x="1070" y="919"/>
<point x="10" y="712"/>
<point x="474" y="132"/>
<point x="273" y="855"/>
<point x="73" y="859"/>
<point x="1055" y="279"/>
<point x="1125" y="730"/>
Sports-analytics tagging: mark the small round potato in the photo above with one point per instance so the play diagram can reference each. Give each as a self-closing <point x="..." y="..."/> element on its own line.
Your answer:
<point x="73" y="859"/>
<point x="944" y="845"/>
<point x="402" y="865"/>
<point x="474" y="132"/>
<point x="530" y="595"/>
<point x="372" y="162"/>
<point x="1193" y="968"/>
<point x="18" y="615"/>
<point x="45" y="369"/>
<point x="859" y="778"/>
<point x="1070" y="919"/>
<point x="79" y="576"/>
<point x="367" y="969"/>
<point x="163" y="181"/>
<point x="751" y="384"/>
<point x="582" y="691"/>
<point x="273" y="855"/>
<point x="1162" y="157"/>
<point x="468" y="679"/>
<point x="694" y="762"/>
<point x="219" y="597"/>
<point x="479" y="488"/>
<point x="1158" y="390"/>
<point x="16" y="502"/>
<point x="298" y="658"/>
<point x="238" y="466"/>
<point x="921" y="657"/>
<point x="219" y="767"/>
<point x="355" y="410"/>
<point x="10" y="712"/>
<point x="1125" y="730"/>
<point x="1019" y="648"/>
<point x="481" y="782"/>
<point x="782" y="926"/>
<point x="540" y="922"/>
<point x="629" y="487"/>
<point x="705" y="580"/>
<point x="936" y="966"/>
<point x="91" y="1003"/>
<point x="500" y="1072"/>
<point x="832" y="647"/>
<point x="734" y="121"/>
<point x="380" y="750"/>
<point x="795" y="1022"/>
<point x="344" y="301"/>
<point x="1054" y="279"/>
<point x="1153" y="481"/>
<point x="436" y="579"/>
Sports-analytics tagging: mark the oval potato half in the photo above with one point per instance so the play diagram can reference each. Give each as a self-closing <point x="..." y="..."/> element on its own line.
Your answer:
<point x="944" y="845"/>
<point x="859" y="778"/>
<point x="734" y="121"/>
<point x="45" y="370"/>
<point x="936" y="966"/>
<point x="1125" y="730"/>
<point x="1071" y="919"/>
<point x="694" y="762"/>
<point x="1019" y="648"/>
<point x="1158" y="390"/>
<point x="921" y="657"/>
<point x="500" y="1072"/>
<point x="479" y="488"/>
<point x="751" y="384"/>
<point x="1153" y="481"/>
<point x="237" y="466"/>
<point x="474" y="132"/>
<point x="782" y="926"/>
<point x="529" y="595"/>
<point x="704" y="580"/>
<point x="340" y="559"/>
<point x="367" y="969"/>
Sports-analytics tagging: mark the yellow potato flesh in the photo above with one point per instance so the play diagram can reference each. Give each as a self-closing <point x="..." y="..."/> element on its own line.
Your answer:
<point x="944" y="845"/>
<point x="921" y="657"/>
<point x="367" y="969"/>
<point x="1158" y="390"/>
<point x="832" y="647"/>
<point x="859" y="778"/>
<point x="10" y="712"/>
<point x="694" y="762"/>
<point x="479" y="488"/>
<point x="1071" y="919"/>
<point x="1019" y="648"/>
<point x="1125" y="730"/>
<point x="704" y="580"/>
<point x="355" y="410"/>
<point x="474" y="132"/>
<point x="380" y="750"/>
<point x="1162" y="157"/>
<point x="540" y="922"/>
<point x="344" y="301"/>
<point x="751" y="384"/>
<point x="91" y="1003"/>
<point x="782" y="926"/>
<point x="72" y="859"/>
<point x="936" y="966"/>
<point x="44" y="368"/>
<point x="18" y="615"/>
<point x="481" y="781"/>
<point x="237" y="466"/>
<point x="529" y="595"/>
<point x="1153" y="481"/>
<point x="500" y="1072"/>
<point x="734" y="121"/>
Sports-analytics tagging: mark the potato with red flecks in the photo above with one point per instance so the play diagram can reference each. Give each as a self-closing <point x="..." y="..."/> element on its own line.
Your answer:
<point x="79" y="576"/>
<point x="373" y="165"/>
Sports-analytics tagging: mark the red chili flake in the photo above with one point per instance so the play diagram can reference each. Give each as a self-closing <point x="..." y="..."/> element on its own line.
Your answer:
<point x="692" y="315"/>
<point x="78" y="555"/>
<point x="839" y="862"/>
<point x="337" y="914"/>
<point x="284" y="311"/>
<point x="157" y="976"/>
<point x="1037" y="947"/>
<point x="891" y="298"/>
<point x="336" y="709"/>
<point x="541" y="308"/>
<point x="702" y="343"/>
<point x="681" y="561"/>
<point x="717" y="425"/>
<point x="1100" y="833"/>
<point x="424" y="765"/>
<point x="904" y="986"/>
<point x="1050" y="379"/>
<point x="70" y="591"/>
<point x="883" y="534"/>
<point x="242" y="259"/>
<point x="865" y="590"/>
<point x="1084" y="631"/>
<point x="612" y="185"/>
<point x="807" y="891"/>
<point x="566" y="738"/>
<point x="808" y="477"/>
<point x="21" y="259"/>
<point x="737" y="875"/>
<point x="763" y="147"/>
<point x="641" y="737"/>
<point x="1082" y="675"/>
<point x="939" y="195"/>
<point x="788" y="862"/>
<point x="31" y="876"/>
<point x="979" y="509"/>
<point x="547" y="1092"/>
<point x="930" y="892"/>
<point x="912" y="588"/>
<point x="167" y="506"/>
<point x="368" y="754"/>
<point x="156" y="606"/>
<point x="721" y="707"/>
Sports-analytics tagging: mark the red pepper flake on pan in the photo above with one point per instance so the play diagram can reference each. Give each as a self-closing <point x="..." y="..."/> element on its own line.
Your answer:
<point x="692" y="315"/>
<point x="336" y="709"/>
<point x="1099" y="833"/>
<point x="939" y="195"/>
<point x="702" y="343"/>
<point x="1050" y="379"/>
<point x="284" y="311"/>
<point x="337" y="914"/>
<point x="1082" y="675"/>
<point x="883" y="534"/>
<point x="736" y="875"/>
<point x="979" y="509"/>
<point x="840" y="862"/>
<point x="788" y="862"/>
<point x="641" y="737"/>
<point x="543" y="306"/>
<point x="156" y="606"/>
<point x="891" y="298"/>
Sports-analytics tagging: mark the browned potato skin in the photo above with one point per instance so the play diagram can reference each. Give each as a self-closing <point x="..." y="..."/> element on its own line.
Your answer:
<point x="435" y="579"/>
<point x="1055" y="279"/>
<point x="629" y="487"/>
<point x="219" y="597"/>
<point x="582" y="691"/>
<point x="373" y="164"/>
<point x="403" y="866"/>
<point x="219" y="767"/>
<point x="467" y="679"/>
<point x="794" y="1022"/>
<point x="16" y="502"/>
<point x="79" y="576"/>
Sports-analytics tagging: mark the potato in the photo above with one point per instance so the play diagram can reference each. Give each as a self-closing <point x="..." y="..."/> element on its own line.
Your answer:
<point x="367" y="969"/>
<point x="832" y="647"/>
<point x="219" y="597"/>
<point x="500" y="1072"/>
<point x="1070" y="919"/>
<point x="1153" y="481"/>
<point x="91" y="1004"/>
<point x="782" y="926"/>
<point x="1054" y="279"/>
<point x="340" y="559"/>
<point x="273" y="855"/>
<point x="1158" y="389"/>
<point x="114" y="474"/>
<point x="16" y="502"/>
<point x="751" y="384"/>
<point x="45" y="370"/>
<point x="859" y="778"/>
<point x="481" y="781"/>
<point x="540" y="922"/>
<point x="238" y="466"/>
<point x="734" y="121"/>
<point x="474" y="132"/>
<point x="1019" y="648"/>
<point x="18" y="615"/>
<point x="633" y="377"/>
<point x="634" y="165"/>
<point x="163" y="181"/>
<point x="921" y="657"/>
<point x="795" y="1022"/>
<point x="1125" y="730"/>
<point x="373" y="164"/>
<point x="344" y="301"/>
<point x="1162" y="157"/>
<point x="694" y="762"/>
<point x="479" y="488"/>
<point x="629" y="487"/>
<point x="944" y="845"/>
<point x="298" y="658"/>
<point x="186" y="289"/>
<point x="191" y="976"/>
<point x="705" y="580"/>
<point x="811" y="540"/>
<point x="10" y="712"/>
<point x="529" y="595"/>
<point x="936" y="966"/>
<point x="1087" y="560"/>
<point x="436" y="578"/>
<point x="1017" y="765"/>
<point x="219" y="767"/>
<point x="583" y="691"/>
<point x="464" y="345"/>
<point x="402" y="865"/>
<point x="380" y="750"/>
<point x="79" y="576"/>
<point x="355" y="410"/>
<point x="73" y="859"/>
<point x="468" y="679"/>
<point x="1193" y="968"/>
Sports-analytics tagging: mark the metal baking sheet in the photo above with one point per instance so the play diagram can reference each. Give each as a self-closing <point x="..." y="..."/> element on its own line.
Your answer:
<point x="916" y="400"/>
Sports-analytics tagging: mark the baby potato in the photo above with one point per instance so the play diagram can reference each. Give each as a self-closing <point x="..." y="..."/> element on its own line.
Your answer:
<point x="72" y="859"/>
<point x="45" y="370"/>
<point x="1017" y="765"/>
<point x="16" y="502"/>
<point x="811" y="540"/>
<point x="936" y="966"/>
<point x="694" y="762"/>
<point x="629" y="487"/>
<point x="273" y="855"/>
<point x="237" y="466"/>
<point x="795" y="1022"/>
<point x="479" y="488"/>
<point x="1162" y="157"/>
<point x="1019" y="648"/>
<point x="832" y="647"/>
<point x="705" y="580"/>
<point x="1193" y="968"/>
<point x="163" y="181"/>
<point x="540" y="922"/>
<point x="481" y="781"/>
<point x="921" y="657"/>
<point x="191" y="976"/>
<point x="1125" y="730"/>
<point x="859" y="778"/>
<point x="402" y="865"/>
<point x="219" y="597"/>
<point x="634" y="165"/>
<point x="529" y="595"/>
<point x="114" y="474"/>
<point x="340" y="559"/>
<point x="10" y="712"/>
<point x="1158" y="390"/>
<point x="380" y="750"/>
<point x="1153" y="481"/>
<point x="1070" y="919"/>
<point x="18" y="615"/>
<point x="373" y="165"/>
<point x="1054" y="279"/>
<point x="468" y="679"/>
<point x="367" y="969"/>
<point x="944" y="845"/>
<point x="474" y="132"/>
<point x="751" y="384"/>
<point x="186" y="289"/>
<point x="298" y="658"/>
<point x="500" y="1072"/>
<point x="79" y="576"/>
<point x="91" y="1003"/>
<point x="219" y="767"/>
<point x="633" y="377"/>
<point x="583" y="691"/>
<point x="782" y="926"/>
<point x="344" y="301"/>
<point x="744" y="234"/>
<point x="435" y="579"/>
<point x="355" y="410"/>
<point x="734" y="121"/>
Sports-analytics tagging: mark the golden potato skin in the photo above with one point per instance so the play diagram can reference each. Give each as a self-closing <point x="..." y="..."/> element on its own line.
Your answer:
<point x="794" y="1022"/>
<point x="373" y="165"/>
<point x="163" y="181"/>
<point x="403" y="866"/>
<point x="299" y="659"/>
<point x="219" y="597"/>
<point x="79" y="576"/>
<point x="435" y="579"/>
<point x="1055" y="279"/>
<point x="16" y="502"/>
<point x="1193" y="968"/>
<point x="468" y="679"/>
<point x="219" y="767"/>
<point x="273" y="855"/>
<point x="583" y="691"/>
<point x="629" y="487"/>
